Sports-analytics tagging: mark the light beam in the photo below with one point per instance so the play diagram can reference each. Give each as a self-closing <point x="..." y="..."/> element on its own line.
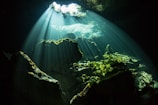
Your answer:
<point x="65" y="34"/>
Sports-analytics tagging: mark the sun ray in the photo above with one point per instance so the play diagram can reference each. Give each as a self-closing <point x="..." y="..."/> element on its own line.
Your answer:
<point x="63" y="37"/>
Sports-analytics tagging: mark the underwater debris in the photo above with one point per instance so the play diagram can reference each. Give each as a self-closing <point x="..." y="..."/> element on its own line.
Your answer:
<point x="112" y="64"/>
<point x="144" y="79"/>
<point x="36" y="71"/>
<point x="81" y="94"/>
<point x="90" y="73"/>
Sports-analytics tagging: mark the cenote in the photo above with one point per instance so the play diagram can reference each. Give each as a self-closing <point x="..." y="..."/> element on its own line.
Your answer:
<point x="74" y="56"/>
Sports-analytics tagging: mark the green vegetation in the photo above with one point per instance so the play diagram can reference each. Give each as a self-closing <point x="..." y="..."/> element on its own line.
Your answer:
<point x="92" y="72"/>
<point x="111" y="65"/>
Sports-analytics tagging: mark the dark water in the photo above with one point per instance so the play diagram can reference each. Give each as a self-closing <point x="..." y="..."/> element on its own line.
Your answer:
<point x="137" y="18"/>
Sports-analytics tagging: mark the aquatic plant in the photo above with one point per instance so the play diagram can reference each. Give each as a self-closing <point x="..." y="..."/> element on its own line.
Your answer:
<point x="112" y="64"/>
<point x="95" y="72"/>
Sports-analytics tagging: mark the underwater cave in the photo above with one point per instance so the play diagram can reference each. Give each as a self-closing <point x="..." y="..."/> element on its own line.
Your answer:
<point x="74" y="56"/>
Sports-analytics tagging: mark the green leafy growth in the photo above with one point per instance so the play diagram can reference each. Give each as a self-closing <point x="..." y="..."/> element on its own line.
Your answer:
<point x="112" y="64"/>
